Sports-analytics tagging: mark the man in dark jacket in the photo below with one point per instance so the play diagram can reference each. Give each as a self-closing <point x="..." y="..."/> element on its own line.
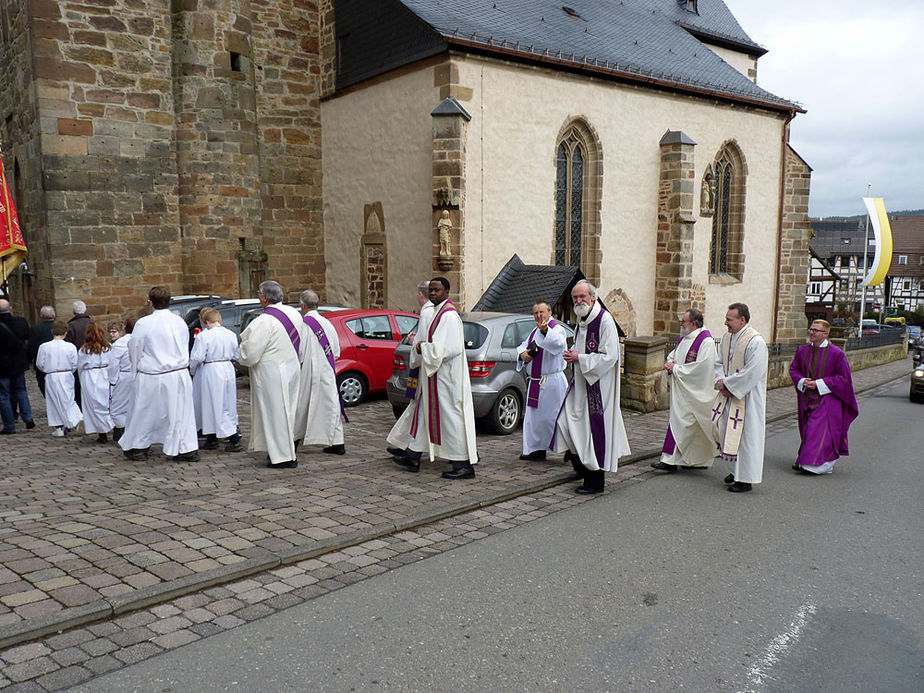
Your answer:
<point x="14" y="334"/>
<point x="76" y="335"/>
<point x="41" y="333"/>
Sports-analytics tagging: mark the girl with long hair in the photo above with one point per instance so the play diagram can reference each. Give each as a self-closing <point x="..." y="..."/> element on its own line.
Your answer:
<point x="93" y="368"/>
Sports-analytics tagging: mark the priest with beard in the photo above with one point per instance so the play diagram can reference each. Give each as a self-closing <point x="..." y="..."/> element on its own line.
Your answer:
<point x="589" y="428"/>
<point x="827" y="404"/>
<point x="689" y="441"/>
<point x="443" y="423"/>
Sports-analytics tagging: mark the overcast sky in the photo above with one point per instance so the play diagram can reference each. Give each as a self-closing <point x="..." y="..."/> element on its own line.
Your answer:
<point x="854" y="65"/>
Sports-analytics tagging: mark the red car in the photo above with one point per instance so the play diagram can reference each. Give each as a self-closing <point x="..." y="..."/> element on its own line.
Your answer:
<point x="367" y="348"/>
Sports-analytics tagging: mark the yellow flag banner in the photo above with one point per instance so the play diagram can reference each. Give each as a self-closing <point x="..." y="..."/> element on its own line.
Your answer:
<point x="12" y="246"/>
<point x="878" y="217"/>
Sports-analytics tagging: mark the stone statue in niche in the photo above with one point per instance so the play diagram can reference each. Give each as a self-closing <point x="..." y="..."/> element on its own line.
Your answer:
<point x="707" y="194"/>
<point x="444" y="225"/>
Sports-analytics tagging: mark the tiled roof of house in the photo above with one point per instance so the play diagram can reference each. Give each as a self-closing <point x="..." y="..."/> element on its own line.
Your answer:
<point x="518" y="286"/>
<point x="654" y="41"/>
<point x="830" y="237"/>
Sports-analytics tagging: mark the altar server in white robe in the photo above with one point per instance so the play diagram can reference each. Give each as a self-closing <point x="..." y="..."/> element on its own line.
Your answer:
<point x="58" y="360"/>
<point x="273" y="347"/>
<point x="542" y="355"/>
<point x="590" y="429"/>
<point x="121" y="377"/>
<point x="93" y="369"/>
<point x="161" y="408"/>
<point x="318" y="414"/>
<point x="400" y="435"/>
<point x="215" y="382"/>
<point x="444" y="418"/>
<point x="740" y="406"/>
<point x="691" y="368"/>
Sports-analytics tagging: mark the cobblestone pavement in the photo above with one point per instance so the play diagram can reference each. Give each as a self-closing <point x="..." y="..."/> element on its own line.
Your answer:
<point x="104" y="562"/>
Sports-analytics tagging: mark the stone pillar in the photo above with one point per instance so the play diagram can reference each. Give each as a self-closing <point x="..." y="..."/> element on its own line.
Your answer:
<point x="795" y="231"/>
<point x="644" y="381"/>
<point x="217" y="158"/>
<point x="450" y="121"/>
<point x="673" y="290"/>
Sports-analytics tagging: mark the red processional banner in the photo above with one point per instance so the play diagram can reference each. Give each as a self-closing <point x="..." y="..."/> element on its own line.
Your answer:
<point x="12" y="246"/>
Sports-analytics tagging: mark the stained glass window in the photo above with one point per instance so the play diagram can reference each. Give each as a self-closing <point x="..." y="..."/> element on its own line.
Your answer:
<point x="569" y="200"/>
<point x="718" y="252"/>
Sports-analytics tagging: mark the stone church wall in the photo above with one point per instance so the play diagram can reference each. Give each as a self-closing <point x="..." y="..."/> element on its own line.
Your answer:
<point x="165" y="147"/>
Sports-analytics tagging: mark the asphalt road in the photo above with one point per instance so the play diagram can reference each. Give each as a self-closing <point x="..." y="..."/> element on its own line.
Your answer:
<point x="668" y="584"/>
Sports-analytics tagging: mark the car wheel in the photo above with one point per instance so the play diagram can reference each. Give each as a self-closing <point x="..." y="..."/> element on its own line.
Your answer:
<point x="506" y="413"/>
<point x="353" y="388"/>
<point x="913" y="396"/>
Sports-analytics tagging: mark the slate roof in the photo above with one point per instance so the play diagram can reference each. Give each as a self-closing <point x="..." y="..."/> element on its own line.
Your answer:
<point x="653" y="41"/>
<point x="829" y="237"/>
<point x="518" y="286"/>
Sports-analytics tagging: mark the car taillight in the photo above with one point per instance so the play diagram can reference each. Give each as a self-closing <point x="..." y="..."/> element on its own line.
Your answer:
<point x="480" y="369"/>
<point x="398" y="364"/>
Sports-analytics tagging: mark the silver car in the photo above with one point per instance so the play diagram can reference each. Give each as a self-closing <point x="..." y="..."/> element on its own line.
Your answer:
<point x="498" y="390"/>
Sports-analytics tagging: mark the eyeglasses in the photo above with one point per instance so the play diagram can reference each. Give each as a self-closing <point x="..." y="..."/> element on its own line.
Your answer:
<point x="814" y="329"/>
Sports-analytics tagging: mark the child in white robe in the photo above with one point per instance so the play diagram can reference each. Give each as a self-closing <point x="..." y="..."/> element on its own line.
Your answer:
<point x="214" y="382"/>
<point x="93" y="368"/>
<point x="58" y="360"/>
<point x="121" y="376"/>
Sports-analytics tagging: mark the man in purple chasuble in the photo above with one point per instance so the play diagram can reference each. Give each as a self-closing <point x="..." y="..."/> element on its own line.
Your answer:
<point x="827" y="404"/>
<point x="589" y="428"/>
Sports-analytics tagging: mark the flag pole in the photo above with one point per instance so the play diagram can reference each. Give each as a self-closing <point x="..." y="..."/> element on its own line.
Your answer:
<point x="863" y="277"/>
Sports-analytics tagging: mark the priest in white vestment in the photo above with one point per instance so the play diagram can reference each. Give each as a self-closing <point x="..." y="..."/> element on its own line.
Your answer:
<point x="589" y="428"/>
<point x="542" y="356"/>
<point x="318" y="414"/>
<point x="273" y="347"/>
<point x="443" y="423"/>
<point x="691" y="367"/>
<point x="121" y="378"/>
<point x="215" y="382"/>
<point x="740" y="406"/>
<point x="57" y="359"/>
<point x="400" y="435"/>
<point x="161" y="408"/>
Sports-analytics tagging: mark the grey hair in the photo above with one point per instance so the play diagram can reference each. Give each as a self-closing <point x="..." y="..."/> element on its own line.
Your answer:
<point x="696" y="317"/>
<point x="79" y="307"/>
<point x="47" y="313"/>
<point x="423" y="287"/>
<point x="591" y="289"/>
<point x="310" y="299"/>
<point x="272" y="290"/>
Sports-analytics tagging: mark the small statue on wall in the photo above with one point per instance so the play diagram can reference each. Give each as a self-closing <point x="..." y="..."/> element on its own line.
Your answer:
<point x="707" y="194"/>
<point x="444" y="225"/>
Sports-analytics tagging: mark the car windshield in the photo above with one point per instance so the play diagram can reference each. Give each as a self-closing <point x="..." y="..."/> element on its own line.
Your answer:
<point x="475" y="334"/>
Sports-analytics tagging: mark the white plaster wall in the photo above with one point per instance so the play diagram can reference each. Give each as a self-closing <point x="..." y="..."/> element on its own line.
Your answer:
<point x="377" y="145"/>
<point x="740" y="61"/>
<point x="517" y="113"/>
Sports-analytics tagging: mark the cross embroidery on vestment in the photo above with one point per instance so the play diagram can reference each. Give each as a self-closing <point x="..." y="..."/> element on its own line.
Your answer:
<point x="716" y="411"/>
<point x="736" y="419"/>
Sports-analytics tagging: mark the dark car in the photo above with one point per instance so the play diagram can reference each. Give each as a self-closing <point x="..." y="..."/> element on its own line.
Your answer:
<point x="368" y="338"/>
<point x="498" y="389"/>
<point x="232" y="314"/>
<point x="181" y="305"/>
<point x="916" y="391"/>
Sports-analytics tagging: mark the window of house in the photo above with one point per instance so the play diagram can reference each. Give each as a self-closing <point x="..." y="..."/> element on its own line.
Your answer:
<point x="725" y="250"/>
<point x="843" y="285"/>
<point x="906" y="285"/>
<point x="903" y="259"/>
<point x="815" y="288"/>
<point x="845" y="241"/>
<point x="578" y="174"/>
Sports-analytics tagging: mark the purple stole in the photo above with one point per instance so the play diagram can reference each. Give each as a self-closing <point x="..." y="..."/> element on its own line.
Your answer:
<point x="319" y="332"/>
<point x="287" y="325"/>
<point x="594" y="396"/>
<point x="535" y="371"/>
<point x="692" y="353"/>
<point x="433" y="397"/>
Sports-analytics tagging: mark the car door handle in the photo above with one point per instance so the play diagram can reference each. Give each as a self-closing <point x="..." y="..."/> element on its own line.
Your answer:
<point x="362" y="346"/>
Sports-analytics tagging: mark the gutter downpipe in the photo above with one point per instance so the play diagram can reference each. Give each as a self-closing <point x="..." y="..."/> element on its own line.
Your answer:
<point x="779" y="228"/>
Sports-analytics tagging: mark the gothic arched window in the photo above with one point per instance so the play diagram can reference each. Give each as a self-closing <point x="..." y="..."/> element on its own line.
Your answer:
<point x="726" y="255"/>
<point x="578" y="172"/>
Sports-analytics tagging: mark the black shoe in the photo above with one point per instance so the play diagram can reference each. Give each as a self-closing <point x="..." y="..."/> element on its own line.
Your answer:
<point x="335" y="449"/>
<point x="410" y="461"/>
<point x="210" y="444"/>
<point x="739" y="487"/>
<point x="102" y="438"/>
<point x="730" y="479"/>
<point x="30" y="424"/>
<point x="396" y="452"/>
<point x="234" y="447"/>
<point x="191" y="456"/>
<point x="290" y="464"/>
<point x="588" y="490"/>
<point x="535" y="456"/>
<point x="7" y="433"/>
<point x="467" y="472"/>
<point x="664" y="467"/>
<point x="117" y="433"/>
<point x="136" y="455"/>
